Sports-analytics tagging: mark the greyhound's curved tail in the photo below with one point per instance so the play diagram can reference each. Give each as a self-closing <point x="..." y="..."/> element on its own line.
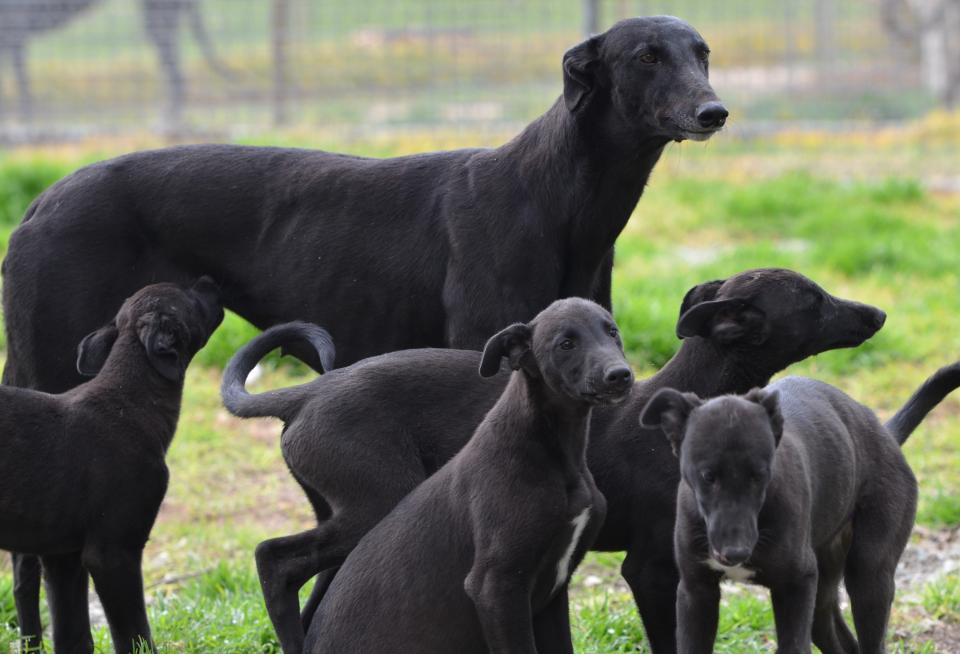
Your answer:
<point x="930" y="394"/>
<point x="200" y="33"/>
<point x="282" y="403"/>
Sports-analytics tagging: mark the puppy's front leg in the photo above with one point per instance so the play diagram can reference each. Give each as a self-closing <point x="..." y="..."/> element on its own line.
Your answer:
<point x="551" y="626"/>
<point x="502" y="600"/>
<point x="698" y="612"/>
<point x="793" y="606"/>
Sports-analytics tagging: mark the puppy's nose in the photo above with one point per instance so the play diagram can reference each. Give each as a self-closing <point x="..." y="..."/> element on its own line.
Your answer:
<point x="618" y="376"/>
<point x="875" y="317"/>
<point x="734" y="555"/>
<point x="712" y="114"/>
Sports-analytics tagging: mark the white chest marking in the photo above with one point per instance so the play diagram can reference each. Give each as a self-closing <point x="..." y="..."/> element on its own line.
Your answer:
<point x="563" y="565"/>
<point x="733" y="573"/>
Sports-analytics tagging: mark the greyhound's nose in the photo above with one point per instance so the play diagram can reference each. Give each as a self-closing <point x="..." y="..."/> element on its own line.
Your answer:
<point x="734" y="555"/>
<point x="875" y="317"/>
<point x="618" y="376"/>
<point x="712" y="114"/>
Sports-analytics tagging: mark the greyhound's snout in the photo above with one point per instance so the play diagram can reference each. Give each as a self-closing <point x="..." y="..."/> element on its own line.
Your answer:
<point x="618" y="377"/>
<point x="711" y="115"/>
<point x="873" y="317"/>
<point x="732" y="555"/>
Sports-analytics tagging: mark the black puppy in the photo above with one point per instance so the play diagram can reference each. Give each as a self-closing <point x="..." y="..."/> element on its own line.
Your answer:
<point x="82" y="474"/>
<point x="470" y="560"/>
<point x="793" y="487"/>
<point x="360" y="438"/>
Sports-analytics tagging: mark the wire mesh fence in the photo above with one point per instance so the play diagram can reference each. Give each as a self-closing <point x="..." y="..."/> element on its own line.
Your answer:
<point x="72" y="67"/>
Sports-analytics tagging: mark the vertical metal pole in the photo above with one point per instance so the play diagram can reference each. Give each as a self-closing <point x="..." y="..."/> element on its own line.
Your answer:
<point x="591" y="17"/>
<point x="280" y="33"/>
<point x="825" y="18"/>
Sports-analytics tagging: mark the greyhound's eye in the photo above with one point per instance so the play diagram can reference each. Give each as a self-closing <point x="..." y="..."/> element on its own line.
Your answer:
<point x="614" y="332"/>
<point x="708" y="476"/>
<point x="649" y="58"/>
<point x="567" y="344"/>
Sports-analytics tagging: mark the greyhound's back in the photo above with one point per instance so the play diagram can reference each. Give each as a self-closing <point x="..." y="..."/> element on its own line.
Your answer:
<point x="840" y="442"/>
<point x="422" y="403"/>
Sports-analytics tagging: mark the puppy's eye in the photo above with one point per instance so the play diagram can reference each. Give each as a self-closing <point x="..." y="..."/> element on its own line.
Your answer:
<point x="649" y="58"/>
<point x="567" y="344"/>
<point x="708" y="476"/>
<point x="614" y="332"/>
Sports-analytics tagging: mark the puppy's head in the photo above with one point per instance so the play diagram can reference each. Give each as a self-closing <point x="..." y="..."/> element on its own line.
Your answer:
<point x="773" y="317"/>
<point x="726" y="448"/>
<point x="171" y="323"/>
<point x="573" y="346"/>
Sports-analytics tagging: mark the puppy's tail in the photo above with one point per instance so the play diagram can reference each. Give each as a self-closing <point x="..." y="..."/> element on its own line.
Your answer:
<point x="929" y="395"/>
<point x="281" y="403"/>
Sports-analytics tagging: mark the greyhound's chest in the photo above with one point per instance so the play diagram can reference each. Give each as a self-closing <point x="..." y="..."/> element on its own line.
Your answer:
<point x="575" y="532"/>
<point x="737" y="573"/>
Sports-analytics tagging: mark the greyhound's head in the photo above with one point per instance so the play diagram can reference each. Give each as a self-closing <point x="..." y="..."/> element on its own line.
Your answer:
<point x="775" y="317"/>
<point x="726" y="448"/>
<point x="171" y="323"/>
<point x="573" y="346"/>
<point x="648" y="78"/>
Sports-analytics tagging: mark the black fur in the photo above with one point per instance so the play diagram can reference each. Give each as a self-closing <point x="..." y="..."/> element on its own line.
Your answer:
<point x="478" y="555"/>
<point x="82" y="474"/>
<point x="368" y="434"/>
<point x="795" y="486"/>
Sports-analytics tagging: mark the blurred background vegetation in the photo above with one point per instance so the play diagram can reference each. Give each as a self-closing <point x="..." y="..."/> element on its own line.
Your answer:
<point x="485" y="64"/>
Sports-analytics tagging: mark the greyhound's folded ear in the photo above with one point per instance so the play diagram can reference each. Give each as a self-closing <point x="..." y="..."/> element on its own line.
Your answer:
<point x="769" y="400"/>
<point x="94" y="349"/>
<point x="205" y="285"/>
<point x="579" y="72"/>
<point x="160" y="338"/>
<point x="700" y="293"/>
<point x="512" y="342"/>
<point x="728" y="321"/>
<point x="669" y="410"/>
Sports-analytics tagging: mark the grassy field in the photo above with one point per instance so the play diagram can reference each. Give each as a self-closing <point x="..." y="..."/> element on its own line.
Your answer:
<point x="861" y="214"/>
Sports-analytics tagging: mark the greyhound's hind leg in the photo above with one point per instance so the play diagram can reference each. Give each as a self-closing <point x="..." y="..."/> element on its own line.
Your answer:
<point x="285" y="564"/>
<point x="830" y="631"/>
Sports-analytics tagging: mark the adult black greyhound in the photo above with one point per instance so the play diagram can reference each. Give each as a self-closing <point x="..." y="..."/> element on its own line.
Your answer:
<point x="426" y="250"/>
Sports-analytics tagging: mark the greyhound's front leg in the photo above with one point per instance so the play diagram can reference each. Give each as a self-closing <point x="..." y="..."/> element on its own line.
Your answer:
<point x="502" y="600"/>
<point x="698" y="612"/>
<point x="793" y="607"/>
<point x="551" y="626"/>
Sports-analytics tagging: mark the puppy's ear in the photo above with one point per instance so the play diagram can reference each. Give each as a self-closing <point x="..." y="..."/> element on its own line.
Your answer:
<point x="724" y="321"/>
<point x="162" y="342"/>
<point x="579" y="72"/>
<point x="205" y="286"/>
<point x="94" y="349"/>
<point x="699" y="293"/>
<point x="769" y="400"/>
<point x="669" y="410"/>
<point x="512" y="342"/>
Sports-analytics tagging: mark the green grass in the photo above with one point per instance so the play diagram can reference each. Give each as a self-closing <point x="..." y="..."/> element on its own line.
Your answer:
<point x="709" y="212"/>
<point x="942" y="599"/>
